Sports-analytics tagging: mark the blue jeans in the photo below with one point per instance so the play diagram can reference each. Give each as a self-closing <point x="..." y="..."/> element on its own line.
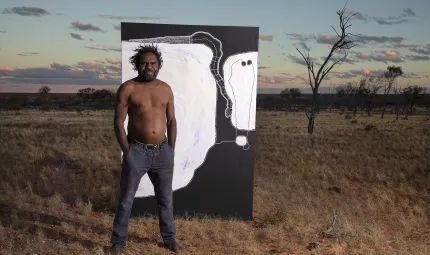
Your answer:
<point x="158" y="164"/>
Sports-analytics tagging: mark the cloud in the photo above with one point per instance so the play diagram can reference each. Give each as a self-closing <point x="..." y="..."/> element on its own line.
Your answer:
<point x="408" y="12"/>
<point x="82" y="73"/>
<point x="344" y="75"/>
<point x="266" y="37"/>
<point x="85" y="27"/>
<point x="362" y="56"/>
<point x="301" y="37"/>
<point x="105" y="16"/>
<point x="399" y="19"/>
<point x="358" y="15"/>
<point x="5" y="69"/>
<point x="303" y="45"/>
<point x="264" y="81"/>
<point x="80" y="66"/>
<point x="410" y="75"/>
<point x="117" y="27"/>
<point x="113" y="61"/>
<point x="421" y="51"/>
<point x="381" y="56"/>
<point x="367" y="72"/>
<point x="377" y="39"/>
<point x="301" y="61"/>
<point x="297" y="60"/>
<point x="59" y="66"/>
<point x="346" y="60"/>
<point x="390" y="53"/>
<point x="387" y="56"/>
<point x="382" y="21"/>
<point x="27" y="11"/>
<point x="328" y="39"/>
<point x="76" y="36"/>
<point x="424" y="51"/>
<point x="402" y="45"/>
<point x="102" y="48"/>
<point x="417" y="58"/>
<point x="27" y="54"/>
<point x="358" y="39"/>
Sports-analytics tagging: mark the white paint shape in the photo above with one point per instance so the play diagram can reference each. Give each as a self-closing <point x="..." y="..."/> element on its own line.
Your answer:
<point x="241" y="140"/>
<point x="186" y="69"/>
<point x="240" y="79"/>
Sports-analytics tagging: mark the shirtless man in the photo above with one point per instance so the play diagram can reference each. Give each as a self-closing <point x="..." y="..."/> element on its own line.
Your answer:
<point x="149" y="105"/>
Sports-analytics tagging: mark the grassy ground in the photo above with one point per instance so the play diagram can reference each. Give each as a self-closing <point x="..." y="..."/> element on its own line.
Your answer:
<point x="357" y="186"/>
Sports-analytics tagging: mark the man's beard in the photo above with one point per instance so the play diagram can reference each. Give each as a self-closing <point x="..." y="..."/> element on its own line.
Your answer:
<point x="148" y="75"/>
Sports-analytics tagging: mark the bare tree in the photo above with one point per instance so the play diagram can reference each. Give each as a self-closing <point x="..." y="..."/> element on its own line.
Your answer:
<point x="359" y="92"/>
<point x="373" y="85"/>
<point x="344" y="92"/>
<point x="291" y="96"/>
<point x="397" y="90"/>
<point x="411" y="94"/>
<point x="390" y="77"/>
<point x="342" y="46"/>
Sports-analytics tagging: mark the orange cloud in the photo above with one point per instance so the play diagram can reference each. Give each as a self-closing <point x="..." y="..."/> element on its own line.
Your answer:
<point x="118" y="67"/>
<point x="6" y="68"/>
<point x="390" y="53"/>
<point x="326" y="39"/>
<point x="112" y="61"/>
<point x="266" y="37"/>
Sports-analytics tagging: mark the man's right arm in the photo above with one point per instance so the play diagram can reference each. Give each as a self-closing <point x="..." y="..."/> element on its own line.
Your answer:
<point x="121" y="110"/>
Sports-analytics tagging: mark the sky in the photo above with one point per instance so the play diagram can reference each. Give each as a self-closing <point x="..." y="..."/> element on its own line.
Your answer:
<point x="69" y="45"/>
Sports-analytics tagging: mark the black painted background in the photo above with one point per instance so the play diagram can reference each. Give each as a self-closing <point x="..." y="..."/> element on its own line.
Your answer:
<point x="223" y="185"/>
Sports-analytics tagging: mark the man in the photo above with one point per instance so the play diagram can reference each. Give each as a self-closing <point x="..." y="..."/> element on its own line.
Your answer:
<point x="146" y="150"/>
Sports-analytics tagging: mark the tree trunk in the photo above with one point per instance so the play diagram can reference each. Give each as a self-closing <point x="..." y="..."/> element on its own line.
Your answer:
<point x="313" y="113"/>
<point x="369" y="107"/>
<point x="397" y="111"/>
<point x="311" y="123"/>
<point x="383" y="112"/>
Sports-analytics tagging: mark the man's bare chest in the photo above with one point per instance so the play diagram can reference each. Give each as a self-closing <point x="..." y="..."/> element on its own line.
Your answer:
<point x="148" y="99"/>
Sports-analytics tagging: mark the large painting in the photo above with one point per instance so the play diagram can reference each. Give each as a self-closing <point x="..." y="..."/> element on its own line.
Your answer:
<point x="212" y="71"/>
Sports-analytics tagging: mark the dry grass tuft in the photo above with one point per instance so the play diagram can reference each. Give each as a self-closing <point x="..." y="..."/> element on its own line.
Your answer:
<point x="347" y="189"/>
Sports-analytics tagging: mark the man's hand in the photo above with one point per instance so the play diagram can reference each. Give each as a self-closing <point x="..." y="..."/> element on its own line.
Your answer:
<point x="124" y="155"/>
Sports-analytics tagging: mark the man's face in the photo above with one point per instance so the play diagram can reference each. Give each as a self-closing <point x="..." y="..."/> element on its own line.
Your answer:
<point x="148" y="68"/>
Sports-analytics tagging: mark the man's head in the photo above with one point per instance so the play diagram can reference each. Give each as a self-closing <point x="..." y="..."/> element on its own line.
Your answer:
<point x="147" y="61"/>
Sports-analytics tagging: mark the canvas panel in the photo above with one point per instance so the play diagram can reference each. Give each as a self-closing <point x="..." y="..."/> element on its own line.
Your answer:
<point x="212" y="71"/>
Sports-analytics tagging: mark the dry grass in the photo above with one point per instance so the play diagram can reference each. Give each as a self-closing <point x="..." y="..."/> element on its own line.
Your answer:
<point x="372" y="174"/>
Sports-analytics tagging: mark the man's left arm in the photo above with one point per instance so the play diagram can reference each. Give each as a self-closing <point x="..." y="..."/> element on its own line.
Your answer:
<point x="171" y="120"/>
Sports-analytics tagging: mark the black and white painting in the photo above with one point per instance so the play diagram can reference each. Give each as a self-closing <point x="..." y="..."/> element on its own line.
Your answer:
<point x="212" y="71"/>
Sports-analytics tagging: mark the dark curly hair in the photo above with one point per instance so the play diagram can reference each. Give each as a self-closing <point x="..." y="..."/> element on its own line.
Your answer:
<point x="143" y="49"/>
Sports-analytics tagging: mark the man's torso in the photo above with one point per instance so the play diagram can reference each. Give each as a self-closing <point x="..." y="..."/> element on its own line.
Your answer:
<point x="147" y="105"/>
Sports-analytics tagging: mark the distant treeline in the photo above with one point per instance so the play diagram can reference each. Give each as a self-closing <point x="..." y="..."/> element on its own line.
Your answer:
<point x="342" y="102"/>
<point x="84" y="99"/>
<point x="288" y="100"/>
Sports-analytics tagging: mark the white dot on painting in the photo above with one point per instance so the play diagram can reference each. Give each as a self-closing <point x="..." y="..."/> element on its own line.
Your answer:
<point x="241" y="140"/>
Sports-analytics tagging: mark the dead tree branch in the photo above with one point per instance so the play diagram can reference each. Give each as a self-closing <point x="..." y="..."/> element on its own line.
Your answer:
<point x="326" y="233"/>
<point x="343" y="44"/>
